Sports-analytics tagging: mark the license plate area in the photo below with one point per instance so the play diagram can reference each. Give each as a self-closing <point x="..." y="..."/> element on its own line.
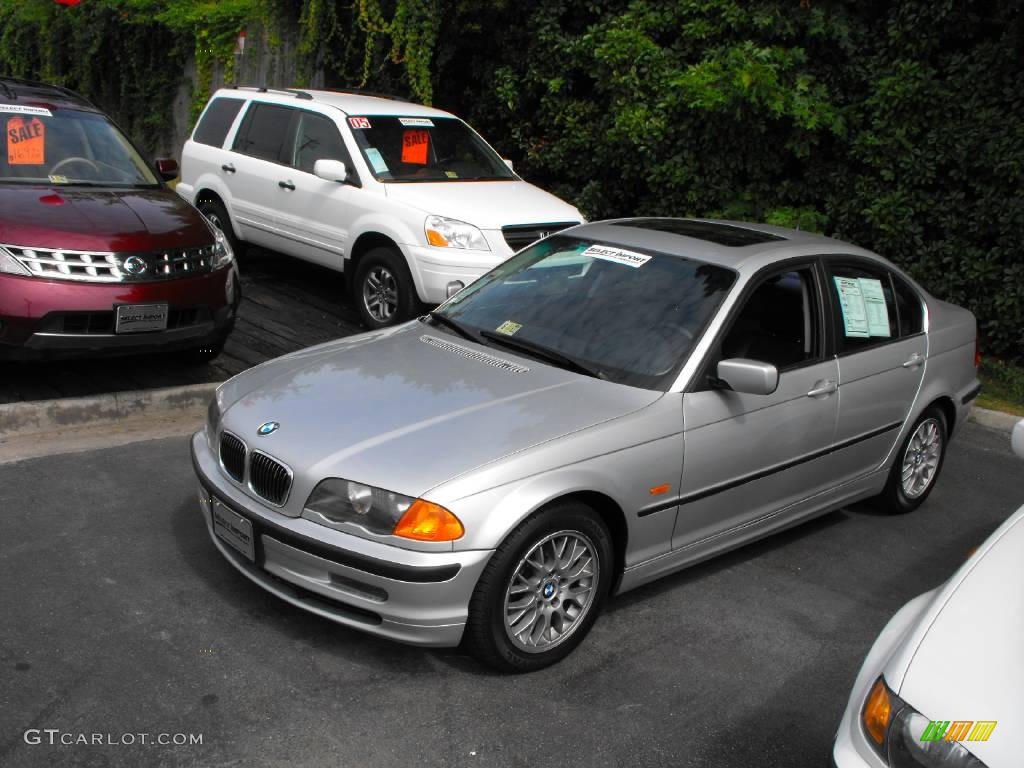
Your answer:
<point x="233" y="529"/>
<point x="136" y="318"/>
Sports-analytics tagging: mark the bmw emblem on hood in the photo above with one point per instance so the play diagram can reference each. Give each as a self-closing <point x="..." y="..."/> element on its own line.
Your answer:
<point x="267" y="428"/>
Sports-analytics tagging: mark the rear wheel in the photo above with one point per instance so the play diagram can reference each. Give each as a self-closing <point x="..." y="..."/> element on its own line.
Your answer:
<point x="542" y="590"/>
<point x="217" y="215"/>
<point x="917" y="464"/>
<point x="383" y="290"/>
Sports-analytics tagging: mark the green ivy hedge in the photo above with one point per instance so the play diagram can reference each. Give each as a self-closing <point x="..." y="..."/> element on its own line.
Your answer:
<point x="896" y="125"/>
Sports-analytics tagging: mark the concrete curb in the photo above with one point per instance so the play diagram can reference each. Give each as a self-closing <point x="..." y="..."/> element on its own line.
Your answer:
<point x="47" y="416"/>
<point x="1004" y="422"/>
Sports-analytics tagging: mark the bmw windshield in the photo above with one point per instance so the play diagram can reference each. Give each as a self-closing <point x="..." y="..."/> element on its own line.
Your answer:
<point x="68" y="147"/>
<point x="410" y="149"/>
<point x="617" y="313"/>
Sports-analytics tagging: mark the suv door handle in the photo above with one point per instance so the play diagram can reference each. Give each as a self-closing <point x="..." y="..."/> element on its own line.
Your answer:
<point x="913" y="361"/>
<point x="228" y="168"/>
<point x="286" y="185"/>
<point x="823" y="388"/>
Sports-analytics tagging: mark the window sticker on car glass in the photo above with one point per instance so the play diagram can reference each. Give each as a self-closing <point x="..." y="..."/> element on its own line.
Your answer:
<point x="451" y="174"/>
<point x="619" y="256"/>
<point x="57" y="179"/>
<point x="508" y="328"/>
<point x="874" y="307"/>
<point x="19" y="109"/>
<point x="376" y="161"/>
<point x="851" y="304"/>
<point x="359" y="122"/>
<point x="414" y="146"/>
<point x="26" y="141"/>
<point x="421" y="122"/>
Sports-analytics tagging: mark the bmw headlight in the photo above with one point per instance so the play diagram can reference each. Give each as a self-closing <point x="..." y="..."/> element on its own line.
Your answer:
<point x="381" y="511"/>
<point x="905" y="738"/>
<point x="222" y="253"/>
<point x="451" y="233"/>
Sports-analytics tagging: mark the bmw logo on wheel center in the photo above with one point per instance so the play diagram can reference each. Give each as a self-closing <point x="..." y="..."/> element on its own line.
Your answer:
<point x="267" y="428"/>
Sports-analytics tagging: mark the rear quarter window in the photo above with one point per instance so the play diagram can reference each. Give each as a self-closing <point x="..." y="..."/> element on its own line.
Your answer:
<point x="216" y="121"/>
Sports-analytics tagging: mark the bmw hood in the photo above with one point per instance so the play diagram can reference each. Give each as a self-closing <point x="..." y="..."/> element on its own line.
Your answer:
<point x="486" y="204"/>
<point x="409" y="408"/>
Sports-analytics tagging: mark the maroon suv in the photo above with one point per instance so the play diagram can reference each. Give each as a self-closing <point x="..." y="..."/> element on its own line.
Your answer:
<point x="97" y="254"/>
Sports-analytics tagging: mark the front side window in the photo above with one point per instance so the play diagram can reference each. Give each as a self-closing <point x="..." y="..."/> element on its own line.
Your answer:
<point x="864" y="309"/>
<point x="263" y="131"/>
<point x="216" y="121"/>
<point x="69" y="147"/>
<point x="409" y="149"/>
<point x="778" y="323"/>
<point x="316" y="138"/>
<point x="627" y="316"/>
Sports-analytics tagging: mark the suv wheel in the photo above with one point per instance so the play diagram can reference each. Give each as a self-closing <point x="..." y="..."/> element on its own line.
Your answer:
<point x="542" y="590"/>
<point x="383" y="290"/>
<point x="216" y="214"/>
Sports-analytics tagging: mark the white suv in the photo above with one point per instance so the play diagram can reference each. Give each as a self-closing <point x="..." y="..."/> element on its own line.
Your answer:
<point x="407" y="200"/>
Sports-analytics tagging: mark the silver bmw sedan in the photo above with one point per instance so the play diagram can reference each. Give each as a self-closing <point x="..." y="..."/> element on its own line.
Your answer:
<point x="614" y="403"/>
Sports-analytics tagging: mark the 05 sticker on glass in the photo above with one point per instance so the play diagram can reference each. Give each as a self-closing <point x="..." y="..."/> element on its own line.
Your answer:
<point x="617" y="255"/>
<point x="26" y="141"/>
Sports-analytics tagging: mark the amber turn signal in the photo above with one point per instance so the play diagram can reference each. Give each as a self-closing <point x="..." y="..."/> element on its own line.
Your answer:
<point x="436" y="238"/>
<point x="426" y="521"/>
<point x="877" y="711"/>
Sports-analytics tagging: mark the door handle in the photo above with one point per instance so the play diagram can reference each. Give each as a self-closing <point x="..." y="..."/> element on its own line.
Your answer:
<point x="822" y="388"/>
<point x="286" y="185"/>
<point x="228" y="168"/>
<point x="913" y="361"/>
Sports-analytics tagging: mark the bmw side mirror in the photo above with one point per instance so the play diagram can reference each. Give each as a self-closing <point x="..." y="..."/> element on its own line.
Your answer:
<point x="331" y="170"/>
<point x="166" y="168"/>
<point x="1018" y="439"/>
<point x="752" y="377"/>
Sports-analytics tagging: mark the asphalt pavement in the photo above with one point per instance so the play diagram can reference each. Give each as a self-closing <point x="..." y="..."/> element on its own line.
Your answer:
<point x="120" y="619"/>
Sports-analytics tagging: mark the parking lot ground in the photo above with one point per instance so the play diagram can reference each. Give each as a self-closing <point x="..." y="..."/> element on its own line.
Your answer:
<point x="119" y="617"/>
<point x="287" y="304"/>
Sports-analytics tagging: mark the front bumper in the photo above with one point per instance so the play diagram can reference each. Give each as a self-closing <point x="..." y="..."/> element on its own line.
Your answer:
<point x="433" y="268"/>
<point x="47" y="318"/>
<point x="414" y="597"/>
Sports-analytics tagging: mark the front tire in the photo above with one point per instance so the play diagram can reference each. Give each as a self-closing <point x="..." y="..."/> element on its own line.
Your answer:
<point x="383" y="290"/>
<point x="917" y="464"/>
<point x="542" y="590"/>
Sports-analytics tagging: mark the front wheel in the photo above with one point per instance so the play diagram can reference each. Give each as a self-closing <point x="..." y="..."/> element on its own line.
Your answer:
<point x="217" y="215"/>
<point x="917" y="464"/>
<point x="542" y="590"/>
<point x="383" y="290"/>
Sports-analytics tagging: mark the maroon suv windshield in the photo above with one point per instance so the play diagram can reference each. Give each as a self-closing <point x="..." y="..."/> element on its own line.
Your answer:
<point x="68" y="147"/>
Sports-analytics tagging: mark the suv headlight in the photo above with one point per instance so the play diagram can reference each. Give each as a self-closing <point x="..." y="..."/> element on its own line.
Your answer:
<point x="381" y="511"/>
<point x="11" y="265"/>
<point x="895" y="730"/>
<point x="222" y="253"/>
<point x="451" y="233"/>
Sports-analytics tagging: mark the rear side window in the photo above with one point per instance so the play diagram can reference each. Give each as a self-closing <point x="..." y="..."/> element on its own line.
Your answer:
<point x="216" y="121"/>
<point x="863" y="305"/>
<point x="263" y="131"/>
<point x="910" y="307"/>
<point x="317" y="138"/>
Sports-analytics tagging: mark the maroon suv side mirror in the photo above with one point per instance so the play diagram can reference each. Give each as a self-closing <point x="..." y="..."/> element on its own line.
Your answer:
<point x="166" y="168"/>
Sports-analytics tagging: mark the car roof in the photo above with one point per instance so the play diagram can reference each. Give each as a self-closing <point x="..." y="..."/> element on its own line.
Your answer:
<point x="735" y="244"/>
<point x="14" y="90"/>
<point x="349" y="102"/>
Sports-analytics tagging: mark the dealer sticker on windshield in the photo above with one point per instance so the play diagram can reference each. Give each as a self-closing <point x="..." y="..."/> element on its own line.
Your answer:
<point x="420" y="122"/>
<point x="508" y="328"/>
<point x="618" y="255"/>
<point x="18" y="109"/>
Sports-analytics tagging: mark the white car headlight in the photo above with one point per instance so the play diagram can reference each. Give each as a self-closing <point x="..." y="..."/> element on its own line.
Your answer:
<point x="222" y="253"/>
<point x="904" y="738"/>
<point x="11" y="265"/>
<point x="451" y="233"/>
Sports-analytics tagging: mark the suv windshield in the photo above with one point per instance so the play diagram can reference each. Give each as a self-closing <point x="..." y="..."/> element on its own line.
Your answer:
<point x="68" y="147"/>
<point x="405" y="149"/>
<point x="620" y="314"/>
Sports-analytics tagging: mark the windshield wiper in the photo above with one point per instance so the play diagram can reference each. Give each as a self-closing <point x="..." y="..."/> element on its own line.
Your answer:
<point x="545" y="353"/>
<point x="456" y="326"/>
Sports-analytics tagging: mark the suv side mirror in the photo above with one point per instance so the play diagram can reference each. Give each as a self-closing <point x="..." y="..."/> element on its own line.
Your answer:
<point x="331" y="170"/>
<point x="1018" y="439"/>
<point x="166" y="168"/>
<point x="753" y="377"/>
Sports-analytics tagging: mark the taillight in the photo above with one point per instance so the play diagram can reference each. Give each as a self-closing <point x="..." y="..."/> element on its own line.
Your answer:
<point x="977" y="350"/>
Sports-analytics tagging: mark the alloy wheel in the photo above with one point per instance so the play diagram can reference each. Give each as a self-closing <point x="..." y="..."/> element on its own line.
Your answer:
<point x="921" y="458"/>
<point x="380" y="293"/>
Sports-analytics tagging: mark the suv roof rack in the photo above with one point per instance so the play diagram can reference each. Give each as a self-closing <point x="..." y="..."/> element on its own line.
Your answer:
<point x="374" y="94"/>
<point x="264" y="89"/>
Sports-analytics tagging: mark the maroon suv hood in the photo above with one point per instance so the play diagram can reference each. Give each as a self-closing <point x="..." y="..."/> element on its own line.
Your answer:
<point x="98" y="219"/>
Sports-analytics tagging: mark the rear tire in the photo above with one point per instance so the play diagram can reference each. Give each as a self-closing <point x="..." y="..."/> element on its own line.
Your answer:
<point x="542" y="590"/>
<point x="217" y="215"/>
<point x="383" y="290"/>
<point x="918" y="463"/>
